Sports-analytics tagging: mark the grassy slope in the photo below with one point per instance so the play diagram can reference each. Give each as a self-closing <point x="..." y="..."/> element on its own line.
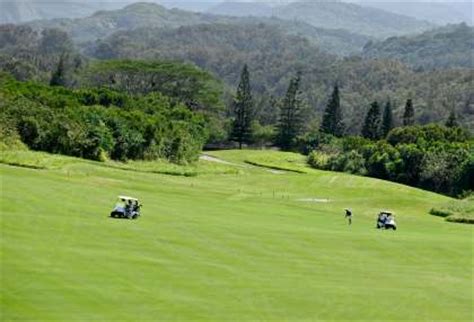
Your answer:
<point x="225" y="247"/>
<point x="457" y="210"/>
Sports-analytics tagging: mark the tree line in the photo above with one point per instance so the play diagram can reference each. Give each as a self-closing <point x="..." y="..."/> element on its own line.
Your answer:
<point x="435" y="157"/>
<point x="113" y="113"/>
<point x="290" y="124"/>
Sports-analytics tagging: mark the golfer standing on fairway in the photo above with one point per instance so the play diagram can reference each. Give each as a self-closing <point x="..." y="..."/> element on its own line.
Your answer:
<point x="349" y="215"/>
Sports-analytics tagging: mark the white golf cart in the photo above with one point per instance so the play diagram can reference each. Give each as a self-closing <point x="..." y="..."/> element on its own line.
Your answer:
<point x="386" y="220"/>
<point x="126" y="207"/>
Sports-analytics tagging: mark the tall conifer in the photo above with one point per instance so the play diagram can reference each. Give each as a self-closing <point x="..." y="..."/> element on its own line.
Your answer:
<point x="387" y="120"/>
<point x="243" y="110"/>
<point x="409" y="114"/>
<point x="372" y="125"/>
<point x="332" y="119"/>
<point x="290" y="121"/>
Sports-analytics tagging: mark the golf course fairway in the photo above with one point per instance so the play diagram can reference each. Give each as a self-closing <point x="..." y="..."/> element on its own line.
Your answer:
<point x="237" y="242"/>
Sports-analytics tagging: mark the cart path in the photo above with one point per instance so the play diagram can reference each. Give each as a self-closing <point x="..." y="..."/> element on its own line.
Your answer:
<point x="211" y="158"/>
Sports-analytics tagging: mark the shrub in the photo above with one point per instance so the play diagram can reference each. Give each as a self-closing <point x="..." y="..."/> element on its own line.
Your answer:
<point x="319" y="160"/>
<point x="75" y="123"/>
<point x="432" y="157"/>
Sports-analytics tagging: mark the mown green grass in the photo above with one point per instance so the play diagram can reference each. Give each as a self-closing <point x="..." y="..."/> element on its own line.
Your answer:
<point x="240" y="246"/>
<point x="272" y="159"/>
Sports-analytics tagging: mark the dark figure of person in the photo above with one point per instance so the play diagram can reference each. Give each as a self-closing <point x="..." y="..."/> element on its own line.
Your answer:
<point x="382" y="217"/>
<point x="349" y="216"/>
<point x="128" y="207"/>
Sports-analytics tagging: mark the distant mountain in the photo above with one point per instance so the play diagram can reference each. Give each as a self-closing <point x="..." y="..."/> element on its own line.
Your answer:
<point x="103" y="23"/>
<point x="242" y="9"/>
<point x="190" y="5"/>
<point x="221" y="48"/>
<point x="153" y="16"/>
<point x="440" y="13"/>
<point x="333" y="15"/>
<point x="21" y="11"/>
<point x="446" y="47"/>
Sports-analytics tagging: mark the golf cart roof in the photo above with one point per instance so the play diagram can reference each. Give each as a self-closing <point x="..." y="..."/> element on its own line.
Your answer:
<point x="127" y="198"/>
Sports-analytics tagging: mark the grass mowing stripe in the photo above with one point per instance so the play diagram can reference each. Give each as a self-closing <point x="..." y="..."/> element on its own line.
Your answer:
<point x="226" y="247"/>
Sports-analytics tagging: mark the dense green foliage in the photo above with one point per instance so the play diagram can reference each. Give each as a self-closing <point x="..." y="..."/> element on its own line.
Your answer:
<point x="432" y="157"/>
<point x="99" y="123"/>
<point x="274" y="51"/>
<point x="31" y="55"/>
<point x="273" y="57"/>
<point x="151" y="18"/>
<point x="445" y="47"/>
<point x="188" y="84"/>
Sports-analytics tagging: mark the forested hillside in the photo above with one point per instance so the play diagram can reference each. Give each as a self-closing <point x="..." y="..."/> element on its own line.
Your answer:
<point x="450" y="46"/>
<point x="103" y="23"/>
<point x="119" y="109"/>
<point x="152" y="16"/>
<point x="274" y="57"/>
<point x="145" y="82"/>
<point x="28" y="10"/>
<point x="439" y="12"/>
<point x="332" y="14"/>
<point x="32" y="55"/>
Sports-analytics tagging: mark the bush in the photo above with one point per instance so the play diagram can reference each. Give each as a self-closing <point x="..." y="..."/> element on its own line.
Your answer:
<point x="460" y="211"/>
<point x="319" y="160"/>
<point x="262" y="135"/>
<point x="440" y="212"/>
<point x="425" y="135"/>
<point x="432" y="157"/>
<point x="315" y="141"/>
<point x="75" y="123"/>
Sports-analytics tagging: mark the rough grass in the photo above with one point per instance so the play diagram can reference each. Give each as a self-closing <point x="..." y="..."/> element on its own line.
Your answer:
<point x="233" y="247"/>
<point x="460" y="211"/>
<point x="285" y="161"/>
<point x="42" y="160"/>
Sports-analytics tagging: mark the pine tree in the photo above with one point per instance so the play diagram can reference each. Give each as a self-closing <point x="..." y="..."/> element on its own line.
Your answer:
<point x="372" y="125"/>
<point x="332" y="119"/>
<point x="59" y="76"/>
<point x="452" y="120"/>
<point x="387" y="120"/>
<point x="243" y="109"/>
<point x="409" y="114"/>
<point x="290" y="121"/>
